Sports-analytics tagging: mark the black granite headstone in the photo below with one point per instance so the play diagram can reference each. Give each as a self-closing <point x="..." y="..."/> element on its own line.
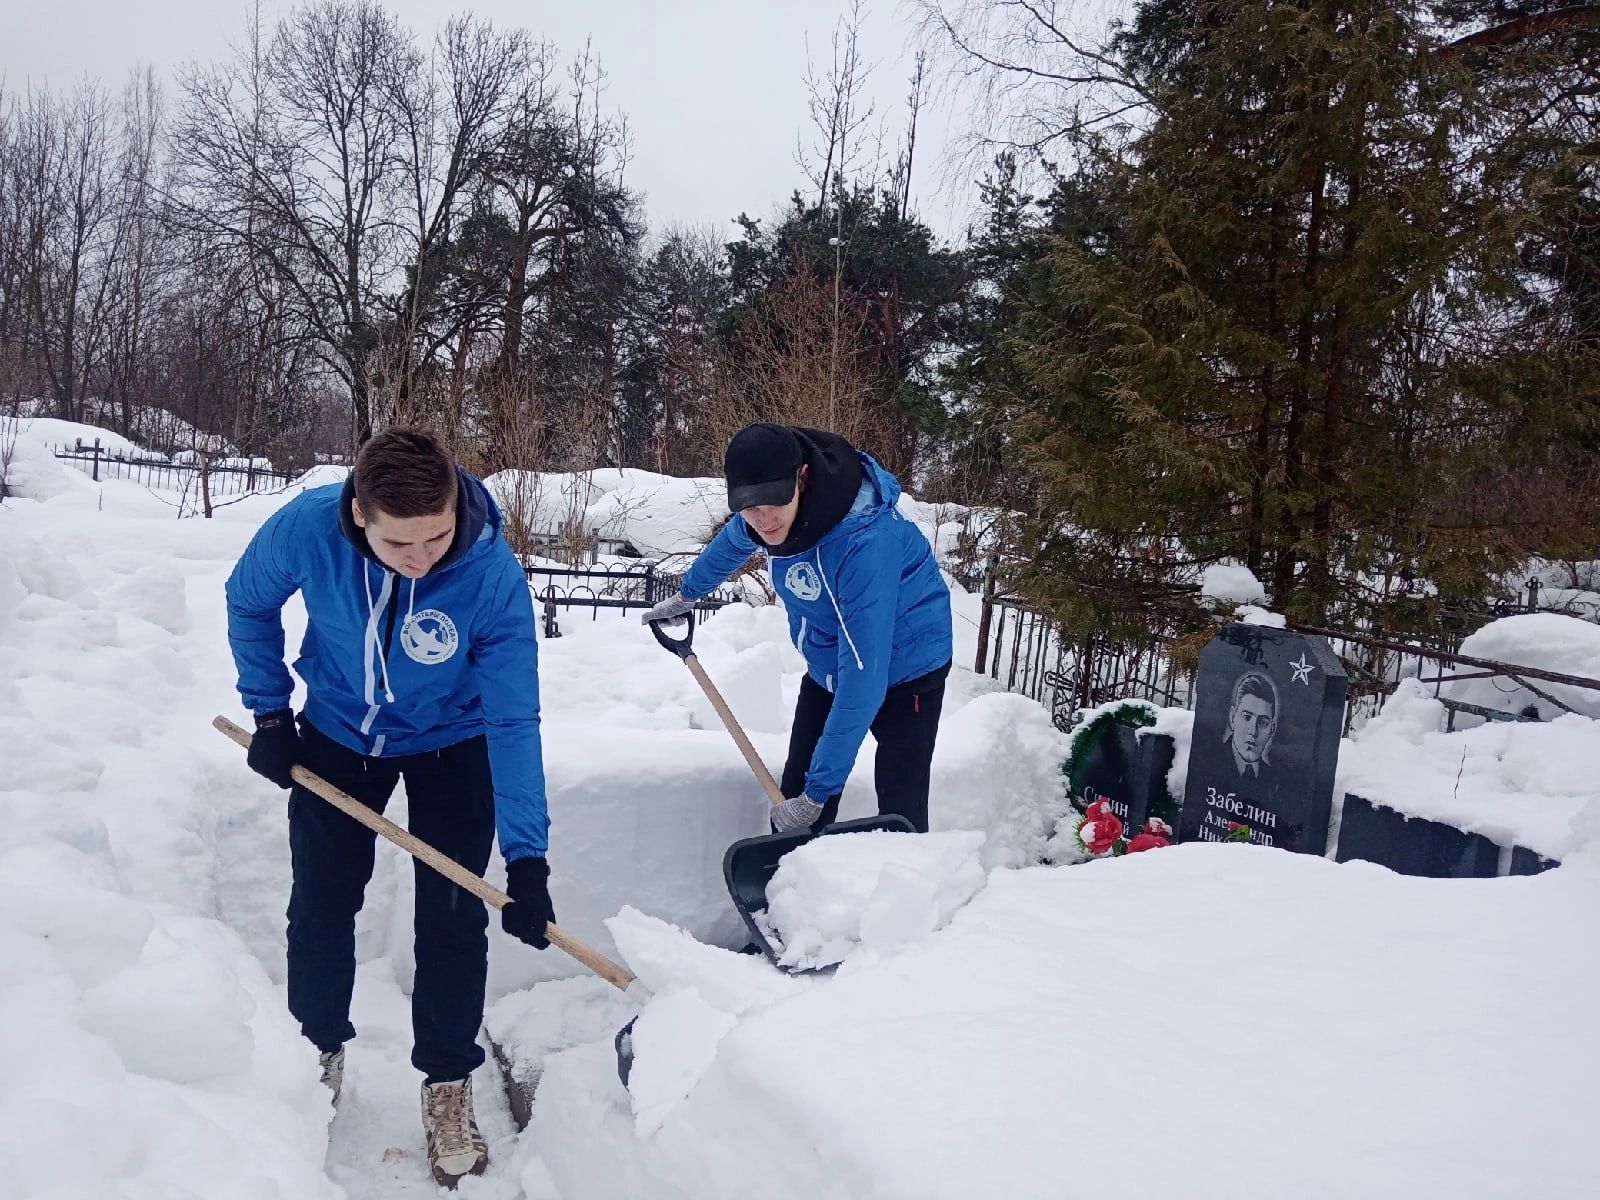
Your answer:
<point x="1529" y="862"/>
<point x="1378" y="834"/>
<point x="1129" y="772"/>
<point x="1106" y="772"/>
<point x="1269" y="708"/>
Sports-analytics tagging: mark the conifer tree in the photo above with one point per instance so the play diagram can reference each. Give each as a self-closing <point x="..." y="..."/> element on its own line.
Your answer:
<point x="1291" y="326"/>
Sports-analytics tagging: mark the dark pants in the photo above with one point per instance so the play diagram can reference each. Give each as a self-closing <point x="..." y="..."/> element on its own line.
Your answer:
<point x="905" y="728"/>
<point x="451" y="801"/>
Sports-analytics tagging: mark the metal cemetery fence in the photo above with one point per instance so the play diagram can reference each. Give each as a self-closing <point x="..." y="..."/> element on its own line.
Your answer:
<point x="1019" y="649"/>
<point x="623" y="588"/>
<point x="155" y="471"/>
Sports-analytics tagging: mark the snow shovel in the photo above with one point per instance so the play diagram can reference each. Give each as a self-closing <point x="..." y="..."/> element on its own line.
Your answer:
<point x="602" y="966"/>
<point x="748" y="865"/>
<point x="618" y="976"/>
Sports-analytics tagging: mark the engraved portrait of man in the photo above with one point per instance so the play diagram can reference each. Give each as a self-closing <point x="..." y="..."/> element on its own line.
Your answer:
<point x="1252" y="722"/>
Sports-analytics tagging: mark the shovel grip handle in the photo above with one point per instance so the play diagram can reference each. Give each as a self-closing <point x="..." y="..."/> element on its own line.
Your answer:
<point x="602" y="966"/>
<point x="679" y="646"/>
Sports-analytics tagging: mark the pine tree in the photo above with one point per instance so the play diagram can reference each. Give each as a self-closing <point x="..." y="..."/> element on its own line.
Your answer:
<point x="1289" y="326"/>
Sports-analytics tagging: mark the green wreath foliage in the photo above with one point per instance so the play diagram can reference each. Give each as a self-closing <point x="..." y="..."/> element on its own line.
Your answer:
<point x="1139" y="713"/>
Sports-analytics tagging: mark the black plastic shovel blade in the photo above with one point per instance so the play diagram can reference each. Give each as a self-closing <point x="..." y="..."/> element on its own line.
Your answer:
<point x="748" y="867"/>
<point x="624" y="1046"/>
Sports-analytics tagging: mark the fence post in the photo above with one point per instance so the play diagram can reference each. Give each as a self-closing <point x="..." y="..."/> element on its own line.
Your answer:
<point x="1533" y="595"/>
<point x="650" y="584"/>
<point x="986" y="613"/>
<point x="97" y="460"/>
<point x="551" y="629"/>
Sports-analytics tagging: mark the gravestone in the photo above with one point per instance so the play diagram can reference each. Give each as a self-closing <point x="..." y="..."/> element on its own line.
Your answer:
<point x="1376" y="833"/>
<point x="1129" y="772"/>
<point x="1529" y="862"/>
<point x="1269" y="707"/>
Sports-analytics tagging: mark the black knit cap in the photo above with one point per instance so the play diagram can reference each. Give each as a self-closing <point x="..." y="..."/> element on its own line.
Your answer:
<point x="762" y="465"/>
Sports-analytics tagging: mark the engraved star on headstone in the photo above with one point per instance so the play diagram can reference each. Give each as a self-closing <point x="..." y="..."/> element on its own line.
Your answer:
<point x="1302" y="669"/>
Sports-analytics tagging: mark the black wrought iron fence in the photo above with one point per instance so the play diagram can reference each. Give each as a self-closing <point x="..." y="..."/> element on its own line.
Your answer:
<point x="155" y="471"/>
<point x="621" y="588"/>
<point x="1021" y="650"/>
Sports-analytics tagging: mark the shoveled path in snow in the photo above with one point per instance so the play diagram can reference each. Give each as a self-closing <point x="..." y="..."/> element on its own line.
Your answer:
<point x="375" y="1142"/>
<point x="191" y="827"/>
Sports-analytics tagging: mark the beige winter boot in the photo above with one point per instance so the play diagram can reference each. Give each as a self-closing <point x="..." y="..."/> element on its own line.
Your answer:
<point x="332" y="1062"/>
<point x="455" y="1147"/>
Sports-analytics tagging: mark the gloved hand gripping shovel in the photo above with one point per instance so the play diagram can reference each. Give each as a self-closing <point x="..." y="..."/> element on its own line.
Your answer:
<point x="618" y="976"/>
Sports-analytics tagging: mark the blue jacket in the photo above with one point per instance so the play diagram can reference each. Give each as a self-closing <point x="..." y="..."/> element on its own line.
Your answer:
<point x="390" y="674"/>
<point x="867" y="607"/>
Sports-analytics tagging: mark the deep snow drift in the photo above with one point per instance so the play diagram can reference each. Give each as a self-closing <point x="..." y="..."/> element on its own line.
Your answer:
<point x="1208" y="1020"/>
<point x="1204" y="1020"/>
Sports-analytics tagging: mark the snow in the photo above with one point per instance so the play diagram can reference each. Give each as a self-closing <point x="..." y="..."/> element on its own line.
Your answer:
<point x="657" y="514"/>
<point x="53" y="432"/>
<point x="996" y="769"/>
<point x="1516" y="783"/>
<point x="1339" y="1027"/>
<point x="1546" y="641"/>
<point x="1254" y="614"/>
<point x="874" y="889"/>
<point x="1233" y="583"/>
<point x="1208" y="1020"/>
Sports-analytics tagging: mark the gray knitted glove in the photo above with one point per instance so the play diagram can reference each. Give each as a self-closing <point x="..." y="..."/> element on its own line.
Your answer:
<point x="801" y="812"/>
<point x="669" y="609"/>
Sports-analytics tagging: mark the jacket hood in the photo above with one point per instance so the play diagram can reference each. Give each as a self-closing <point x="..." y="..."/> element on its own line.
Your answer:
<point x="476" y="513"/>
<point x="832" y="484"/>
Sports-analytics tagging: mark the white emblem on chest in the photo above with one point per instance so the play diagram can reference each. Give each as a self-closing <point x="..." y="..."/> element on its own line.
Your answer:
<point x="802" y="580"/>
<point x="429" y="637"/>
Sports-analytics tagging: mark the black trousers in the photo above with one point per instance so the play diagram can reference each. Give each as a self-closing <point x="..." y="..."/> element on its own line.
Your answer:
<point x="905" y="728"/>
<point x="451" y="801"/>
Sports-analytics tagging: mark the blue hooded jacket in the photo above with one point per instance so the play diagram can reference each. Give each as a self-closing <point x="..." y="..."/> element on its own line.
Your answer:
<point x="867" y="607"/>
<point x="389" y="675"/>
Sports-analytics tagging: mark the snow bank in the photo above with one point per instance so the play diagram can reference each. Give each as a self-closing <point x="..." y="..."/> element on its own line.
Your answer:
<point x="145" y="1048"/>
<point x="1237" y="1008"/>
<point x="1548" y="641"/>
<point x="658" y="514"/>
<point x="35" y="473"/>
<point x="1517" y="783"/>
<point x="997" y="769"/>
<point x="50" y="432"/>
<point x="878" y="890"/>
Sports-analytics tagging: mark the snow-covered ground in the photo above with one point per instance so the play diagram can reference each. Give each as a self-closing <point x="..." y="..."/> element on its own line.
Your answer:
<point x="1206" y="1020"/>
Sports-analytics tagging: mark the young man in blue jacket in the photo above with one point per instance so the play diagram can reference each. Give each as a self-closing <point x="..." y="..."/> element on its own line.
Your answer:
<point x="867" y="608"/>
<point x="420" y="663"/>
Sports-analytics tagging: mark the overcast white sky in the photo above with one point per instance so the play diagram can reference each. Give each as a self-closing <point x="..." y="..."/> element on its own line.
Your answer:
<point x="713" y="89"/>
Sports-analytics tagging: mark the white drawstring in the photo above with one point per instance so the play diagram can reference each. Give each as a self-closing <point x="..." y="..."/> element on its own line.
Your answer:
<point x="860" y="666"/>
<point x="374" y="640"/>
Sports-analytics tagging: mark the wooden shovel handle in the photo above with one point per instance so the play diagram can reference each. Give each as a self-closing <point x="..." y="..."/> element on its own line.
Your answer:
<point x="763" y="776"/>
<point x="448" y="867"/>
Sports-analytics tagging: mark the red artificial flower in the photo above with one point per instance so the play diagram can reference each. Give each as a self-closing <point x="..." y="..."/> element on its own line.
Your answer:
<point x="1147" y="841"/>
<point x="1100" y="834"/>
<point x="1157" y="826"/>
<point x="1100" y="808"/>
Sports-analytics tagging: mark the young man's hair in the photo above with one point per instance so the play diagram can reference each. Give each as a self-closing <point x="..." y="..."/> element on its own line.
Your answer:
<point x="405" y="473"/>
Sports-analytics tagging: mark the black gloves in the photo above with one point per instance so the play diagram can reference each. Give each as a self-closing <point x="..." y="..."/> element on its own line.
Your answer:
<point x="275" y="749"/>
<point x="528" y="884"/>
